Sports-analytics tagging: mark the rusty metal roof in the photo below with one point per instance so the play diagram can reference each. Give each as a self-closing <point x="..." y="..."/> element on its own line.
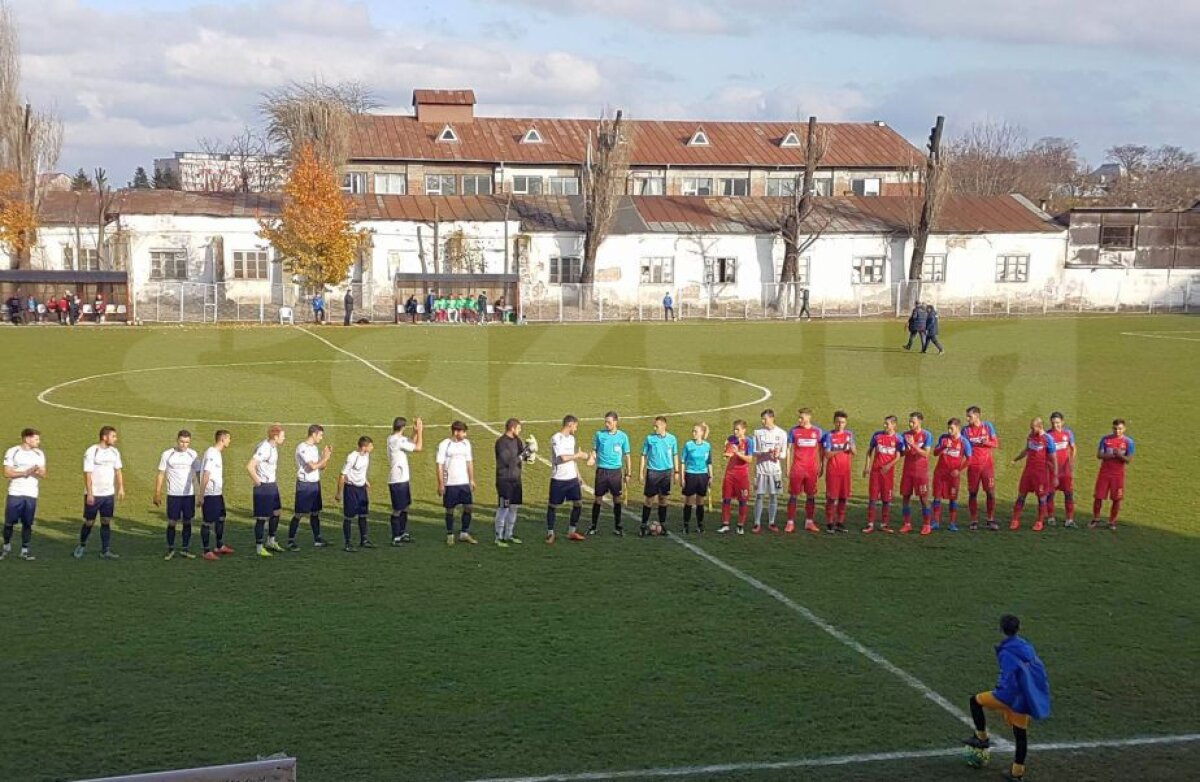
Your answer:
<point x="635" y="214"/>
<point x="379" y="137"/>
<point x="444" y="97"/>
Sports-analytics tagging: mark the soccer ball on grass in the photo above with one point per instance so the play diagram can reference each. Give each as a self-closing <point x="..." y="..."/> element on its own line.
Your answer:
<point x="977" y="758"/>
<point x="656" y="529"/>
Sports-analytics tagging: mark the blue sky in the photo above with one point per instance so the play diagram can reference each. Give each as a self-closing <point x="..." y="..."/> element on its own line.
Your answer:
<point x="138" y="80"/>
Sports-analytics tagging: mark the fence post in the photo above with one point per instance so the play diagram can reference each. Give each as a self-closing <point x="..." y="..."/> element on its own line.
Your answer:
<point x="1008" y="302"/>
<point x="746" y="310"/>
<point x="260" y="310"/>
<point x="561" y="295"/>
<point x="182" y="293"/>
<point x="1187" y="296"/>
<point x="1117" y="299"/>
<point x="601" y="310"/>
<point x="1045" y="301"/>
<point x="971" y="305"/>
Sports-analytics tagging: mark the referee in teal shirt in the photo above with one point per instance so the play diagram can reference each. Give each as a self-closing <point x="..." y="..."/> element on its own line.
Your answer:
<point x="611" y="455"/>
<point x="660" y="463"/>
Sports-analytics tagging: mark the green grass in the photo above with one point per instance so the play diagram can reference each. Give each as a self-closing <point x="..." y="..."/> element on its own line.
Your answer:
<point x="436" y="664"/>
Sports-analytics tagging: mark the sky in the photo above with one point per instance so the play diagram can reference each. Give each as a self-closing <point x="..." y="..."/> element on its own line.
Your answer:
<point x="135" y="80"/>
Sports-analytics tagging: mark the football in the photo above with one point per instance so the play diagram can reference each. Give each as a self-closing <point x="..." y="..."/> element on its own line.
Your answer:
<point x="531" y="449"/>
<point x="977" y="758"/>
<point x="656" y="528"/>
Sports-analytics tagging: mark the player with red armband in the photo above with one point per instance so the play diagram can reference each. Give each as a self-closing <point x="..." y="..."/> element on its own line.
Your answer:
<point x="837" y="451"/>
<point x="981" y="469"/>
<point x="739" y="455"/>
<point x="806" y="468"/>
<point x="1116" y="451"/>
<point x="1041" y="473"/>
<point x="918" y="445"/>
<point x="1064" y="452"/>
<point x="954" y="453"/>
<point x="882" y="455"/>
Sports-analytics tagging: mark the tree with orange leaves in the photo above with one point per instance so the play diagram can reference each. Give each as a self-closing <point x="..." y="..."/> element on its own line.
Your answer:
<point x="18" y="221"/>
<point x="314" y="234"/>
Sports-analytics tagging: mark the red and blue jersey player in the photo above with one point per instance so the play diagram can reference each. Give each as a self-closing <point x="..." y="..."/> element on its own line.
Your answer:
<point x="1040" y="474"/>
<point x="1064" y="453"/>
<point x="885" y="450"/>
<point x="981" y="470"/>
<point x="838" y="450"/>
<point x="953" y="451"/>
<point x="1116" y="451"/>
<point x="918" y="446"/>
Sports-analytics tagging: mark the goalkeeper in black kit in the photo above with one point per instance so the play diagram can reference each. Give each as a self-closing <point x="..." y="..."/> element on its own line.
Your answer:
<point x="511" y="454"/>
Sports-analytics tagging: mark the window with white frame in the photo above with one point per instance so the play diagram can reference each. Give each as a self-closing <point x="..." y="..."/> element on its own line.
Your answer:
<point x="933" y="269"/>
<point x="441" y="184"/>
<point x="696" y="186"/>
<point x="658" y="271"/>
<point x="564" y="185"/>
<point x="868" y="186"/>
<point x="823" y="186"/>
<point x="734" y="187"/>
<point x="720" y="271"/>
<point x="781" y="186"/>
<point x="391" y="184"/>
<point x="1012" y="268"/>
<point x="868" y="270"/>
<point x="565" y="269"/>
<point x="88" y="259"/>
<point x="354" y="182"/>
<point x="803" y="270"/>
<point x="251" y="265"/>
<point x="523" y="184"/>
<point x="477" y="184"/>
<point x="168" y="265"/>
<point x="647" y="185"/>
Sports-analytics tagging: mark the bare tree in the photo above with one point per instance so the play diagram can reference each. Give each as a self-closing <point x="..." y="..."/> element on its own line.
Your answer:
<point x="605" y="170"/>
<point x="931" y="204"/>
<point x="241" y="164"/>
<point x="30" y="141"/>
<point x="986" y="158"/>
<point x="316" y="113"/>
<point x="1167" y="177"/>
<point x="797" y="225"/>
<point x="104" y="203"/>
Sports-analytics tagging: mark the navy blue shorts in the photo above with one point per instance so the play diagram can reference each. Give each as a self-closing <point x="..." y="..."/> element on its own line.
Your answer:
<point x="308" y="498"/>
<point x="181" y="508"/>
<point x="355" y="501"/>
<point x="213" y="508"/>
<point x="401" y="495"/>
<point x="20" y="510"/>
<point x="457" y="495"/>
<point x="104" y="507"/>
<point x="695" y="484"/>
<point x="510" y="492"/>
<point x="565" y="491"/>
<point x="266" y="500"/>
<point x="658" y="483"/>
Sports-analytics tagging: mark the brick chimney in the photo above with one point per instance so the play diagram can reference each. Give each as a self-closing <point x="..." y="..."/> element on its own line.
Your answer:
<point x="444" y="106"/>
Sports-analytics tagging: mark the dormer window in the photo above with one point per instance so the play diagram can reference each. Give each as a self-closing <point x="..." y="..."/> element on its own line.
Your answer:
<point x="699" y="139"/>
<point x="532" y="137"/>
<point x="447" y="134"/>
<point x="790" y="140"/>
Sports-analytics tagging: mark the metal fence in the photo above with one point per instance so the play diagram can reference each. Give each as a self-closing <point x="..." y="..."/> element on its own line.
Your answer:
<point x="196" y="302"/>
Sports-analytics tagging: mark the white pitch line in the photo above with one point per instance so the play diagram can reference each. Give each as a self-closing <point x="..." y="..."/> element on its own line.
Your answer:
<point x="841" y="636"/>
<point x="1163" y="335"/>
<point x="833" y="760"/>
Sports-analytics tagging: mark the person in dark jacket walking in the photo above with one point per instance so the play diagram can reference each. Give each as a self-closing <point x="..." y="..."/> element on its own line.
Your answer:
<point x="931" y="331"/>
<point x="916" y="325"/>
<point x="804" y="312"/>
<point x="410" y="309"/>
<point x="1022" y="693"/>
<point x="348" y="303"/>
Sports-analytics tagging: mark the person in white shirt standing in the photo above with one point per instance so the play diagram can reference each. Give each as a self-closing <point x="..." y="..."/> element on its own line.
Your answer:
<point x="399" y="474"/>
<point x="309" y="462"/>
<point x="263" y="468"/>
<point x="565" y="485"/>
<point x="177" y="468"/>
<point x="353" y="488"/>
<point x="24" y="466"/>
<point x="212" y="497"/>
<point x="456" y="481"/>
<point x="770" y="447"/>
<point x="103" y="485"/>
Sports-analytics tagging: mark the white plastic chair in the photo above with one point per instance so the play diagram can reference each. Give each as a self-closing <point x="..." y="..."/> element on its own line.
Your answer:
<point x="287" y="315"/>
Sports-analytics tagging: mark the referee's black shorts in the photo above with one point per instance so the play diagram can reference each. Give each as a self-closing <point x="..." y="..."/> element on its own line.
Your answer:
<point x="658" y="483"/>
<point x="609" y="481"/>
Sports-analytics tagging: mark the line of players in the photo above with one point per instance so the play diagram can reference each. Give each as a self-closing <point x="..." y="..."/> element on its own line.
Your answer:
<point x="806" y="452"/>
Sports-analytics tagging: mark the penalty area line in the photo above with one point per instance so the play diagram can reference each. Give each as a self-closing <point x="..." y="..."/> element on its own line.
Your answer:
<point x="832" y="760"/>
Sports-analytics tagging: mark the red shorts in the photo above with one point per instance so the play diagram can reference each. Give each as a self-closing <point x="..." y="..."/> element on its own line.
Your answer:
<point x="803" y="481"/>
<point x="1110" y="487"/>
<point x="1065" y="483"/>
<point x="1036" y="482"/>
<point x="736" y="486"/>
<point x="882" y="484"/>
<point x="837" y="486"/>
<point x="981" y="476"/>
<point x="946" y="487"/>
<point x="914" y="483"/>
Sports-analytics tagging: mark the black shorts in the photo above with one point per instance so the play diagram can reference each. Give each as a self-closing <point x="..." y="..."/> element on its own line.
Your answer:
<point x="308" y="498"/>
<point x="181" y="508"/>
<point x="401" y="495"/>
<point x="20" y="510"/>
<point x="565" y="491"/>
<point x="510" y="493"/>
<point x="658" y="483"/>
<point x="457" y="495"/>
<point x="355" y="501"/>
<point x="266" y="500"/>
<point x="212" y="508"/>
<point x="104" y="507"/>
<point x="695" y="484"/>
<point x="609" y="481"/>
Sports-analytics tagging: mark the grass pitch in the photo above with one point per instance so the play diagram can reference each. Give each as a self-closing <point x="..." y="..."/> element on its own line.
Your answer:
<point x="449" y="664"/>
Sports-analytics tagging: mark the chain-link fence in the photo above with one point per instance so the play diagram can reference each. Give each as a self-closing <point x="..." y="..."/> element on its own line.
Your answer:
<point x="176" y="301"/>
